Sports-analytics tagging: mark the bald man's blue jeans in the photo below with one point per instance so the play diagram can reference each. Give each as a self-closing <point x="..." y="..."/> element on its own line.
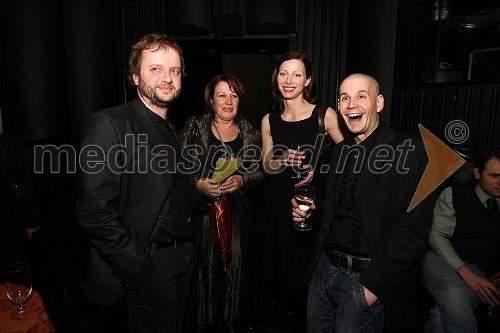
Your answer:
<point x="336" y="302"/>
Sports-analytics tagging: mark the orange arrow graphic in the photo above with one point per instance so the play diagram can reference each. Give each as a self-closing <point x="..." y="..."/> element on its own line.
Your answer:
<point x="443" y="161"/>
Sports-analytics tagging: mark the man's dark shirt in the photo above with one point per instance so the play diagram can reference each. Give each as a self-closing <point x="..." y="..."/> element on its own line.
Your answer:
<point x="175" y="225"/>
<point x="346" y="233"/>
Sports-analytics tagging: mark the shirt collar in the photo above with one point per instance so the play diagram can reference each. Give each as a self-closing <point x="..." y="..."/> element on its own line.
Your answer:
<point x="370" y="140"/>
<point x="483" y="196"/>
<point x="160" y="123"/>
<point x="155" y="117"/>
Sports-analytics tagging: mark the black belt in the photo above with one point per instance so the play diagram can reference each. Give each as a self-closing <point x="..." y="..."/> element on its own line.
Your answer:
<point x="351" y="263"/>
<point x="166" y="245"/>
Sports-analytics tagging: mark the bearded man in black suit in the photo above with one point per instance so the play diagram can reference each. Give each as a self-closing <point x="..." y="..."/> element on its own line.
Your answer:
<point x="134" y="201"/>
<point x="364" y="269"/>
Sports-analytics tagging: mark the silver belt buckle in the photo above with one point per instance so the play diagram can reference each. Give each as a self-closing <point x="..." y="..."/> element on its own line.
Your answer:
<point x="349" y="264"/>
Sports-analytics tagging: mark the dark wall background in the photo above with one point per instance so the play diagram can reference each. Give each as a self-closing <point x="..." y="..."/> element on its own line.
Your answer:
<point x="60" y="63"/>
<point x="61" y="60"/>
<point x="374" y="39"/>
<point x="33" y="68"/>
<point x="435" y="44"/>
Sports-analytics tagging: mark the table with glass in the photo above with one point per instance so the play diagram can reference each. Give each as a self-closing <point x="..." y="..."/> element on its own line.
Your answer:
<point x="35" y="320"/>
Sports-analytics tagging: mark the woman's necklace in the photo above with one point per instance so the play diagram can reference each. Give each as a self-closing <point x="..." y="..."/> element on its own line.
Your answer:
<point x="226" y="148"/>
<point x="226" y="130"/>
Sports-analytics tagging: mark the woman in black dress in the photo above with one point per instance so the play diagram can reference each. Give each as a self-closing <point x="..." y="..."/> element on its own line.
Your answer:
<point x="293" y="120"/>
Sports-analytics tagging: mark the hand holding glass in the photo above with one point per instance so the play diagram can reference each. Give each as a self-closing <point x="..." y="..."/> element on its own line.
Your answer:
<point x="298" y="153"/>
<point x="493" y="311"/>
<point x="18" y="286"/>
<point x="304" y="195"/>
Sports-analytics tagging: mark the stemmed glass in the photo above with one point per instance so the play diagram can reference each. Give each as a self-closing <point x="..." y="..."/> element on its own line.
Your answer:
<point x="493" y="311"/>
<point x="304" y="195"/>
<point x="297" y="147"/>
<point x="18" y="286"/>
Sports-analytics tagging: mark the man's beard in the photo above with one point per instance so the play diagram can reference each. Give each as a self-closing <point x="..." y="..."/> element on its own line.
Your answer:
<point x="149" y="92"/>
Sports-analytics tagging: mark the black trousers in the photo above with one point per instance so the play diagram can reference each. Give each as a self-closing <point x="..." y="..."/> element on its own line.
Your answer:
<point x="160" y="306"/>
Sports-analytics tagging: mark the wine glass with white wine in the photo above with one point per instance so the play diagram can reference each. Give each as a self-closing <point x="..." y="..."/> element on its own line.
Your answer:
<point x="304" y="195"/>
<point x="18" y="286"/>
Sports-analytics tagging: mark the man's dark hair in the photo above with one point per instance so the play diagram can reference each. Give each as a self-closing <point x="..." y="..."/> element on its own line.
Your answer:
<point x="483" y="158"/>
<point x="153" y="42"/>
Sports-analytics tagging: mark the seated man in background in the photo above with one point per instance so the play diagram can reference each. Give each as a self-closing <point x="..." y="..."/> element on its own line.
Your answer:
<point x="465" y="238"/>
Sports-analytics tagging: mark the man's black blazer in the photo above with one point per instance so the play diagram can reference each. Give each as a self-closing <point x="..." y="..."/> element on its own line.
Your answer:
<point x="396" y="239"/>
<point x="122" y="200"/>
